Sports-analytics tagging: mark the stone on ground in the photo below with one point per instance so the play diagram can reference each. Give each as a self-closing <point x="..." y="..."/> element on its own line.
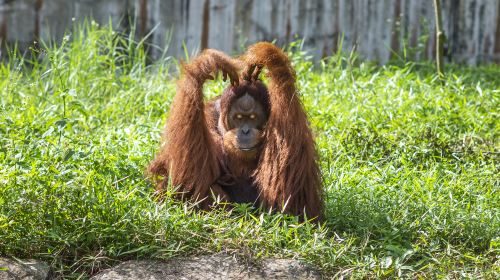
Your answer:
<point x="13" y="269"/>
<point x="209" y="267"/>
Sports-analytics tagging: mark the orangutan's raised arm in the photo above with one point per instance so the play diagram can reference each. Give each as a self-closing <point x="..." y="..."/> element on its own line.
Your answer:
<point x="188" y="158"/>
<point x="288" y="175"/>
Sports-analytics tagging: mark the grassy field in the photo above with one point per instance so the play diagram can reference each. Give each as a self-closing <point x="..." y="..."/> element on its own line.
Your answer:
<point x="410" y="166"/>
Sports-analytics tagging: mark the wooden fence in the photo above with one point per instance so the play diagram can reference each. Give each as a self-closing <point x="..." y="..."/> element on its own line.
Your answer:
<point x="377" y="29"/>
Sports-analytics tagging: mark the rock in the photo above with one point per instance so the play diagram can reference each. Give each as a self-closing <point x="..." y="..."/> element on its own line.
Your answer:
<point x="13" y="269"/>
<point x="209" y="267"/>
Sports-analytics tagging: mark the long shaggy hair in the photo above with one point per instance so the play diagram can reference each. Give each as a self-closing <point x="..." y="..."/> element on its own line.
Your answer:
<point x="287" y="175"/>
<point x="194" y="157"/>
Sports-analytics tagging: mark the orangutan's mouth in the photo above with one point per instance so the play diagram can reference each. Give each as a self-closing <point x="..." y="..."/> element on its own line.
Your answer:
<point x="247" y="149"/>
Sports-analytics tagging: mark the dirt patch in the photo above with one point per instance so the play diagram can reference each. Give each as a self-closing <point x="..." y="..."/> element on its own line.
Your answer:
<point x="210" y="267"/>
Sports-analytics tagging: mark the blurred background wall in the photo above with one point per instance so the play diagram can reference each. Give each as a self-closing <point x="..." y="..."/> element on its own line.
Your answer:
<point x="377" y="29"/>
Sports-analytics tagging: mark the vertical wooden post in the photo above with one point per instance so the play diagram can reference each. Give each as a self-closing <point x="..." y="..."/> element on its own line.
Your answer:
<point x="205" y="29"/>
<point x="440" y="37"/>
<point x="496" y="52"/>
<point x="143" y="17"/>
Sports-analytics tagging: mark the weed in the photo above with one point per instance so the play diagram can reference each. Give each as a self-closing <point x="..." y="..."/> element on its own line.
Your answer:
<point x="410" y="167"/>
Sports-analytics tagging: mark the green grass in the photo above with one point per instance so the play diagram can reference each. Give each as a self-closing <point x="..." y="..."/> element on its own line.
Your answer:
<point x="410" y="166"/>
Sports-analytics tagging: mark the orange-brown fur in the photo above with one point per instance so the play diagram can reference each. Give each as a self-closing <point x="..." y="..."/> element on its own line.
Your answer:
<point x="287" y="175"/>
<point x="196" y="158"/>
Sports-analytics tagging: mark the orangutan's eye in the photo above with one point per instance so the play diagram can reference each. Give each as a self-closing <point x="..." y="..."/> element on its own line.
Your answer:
<point x="239" y="116"/>
<point x="252" y="116"/>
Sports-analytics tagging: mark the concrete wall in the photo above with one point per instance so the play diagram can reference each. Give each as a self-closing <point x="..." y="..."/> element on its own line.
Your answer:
<point x="373" y="27"/>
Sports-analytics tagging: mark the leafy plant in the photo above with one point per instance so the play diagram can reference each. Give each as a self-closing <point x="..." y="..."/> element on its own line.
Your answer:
<point x="410" y="168"/>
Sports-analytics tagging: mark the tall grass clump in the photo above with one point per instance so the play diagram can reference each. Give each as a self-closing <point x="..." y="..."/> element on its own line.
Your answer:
<point x="410" y="166"/>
